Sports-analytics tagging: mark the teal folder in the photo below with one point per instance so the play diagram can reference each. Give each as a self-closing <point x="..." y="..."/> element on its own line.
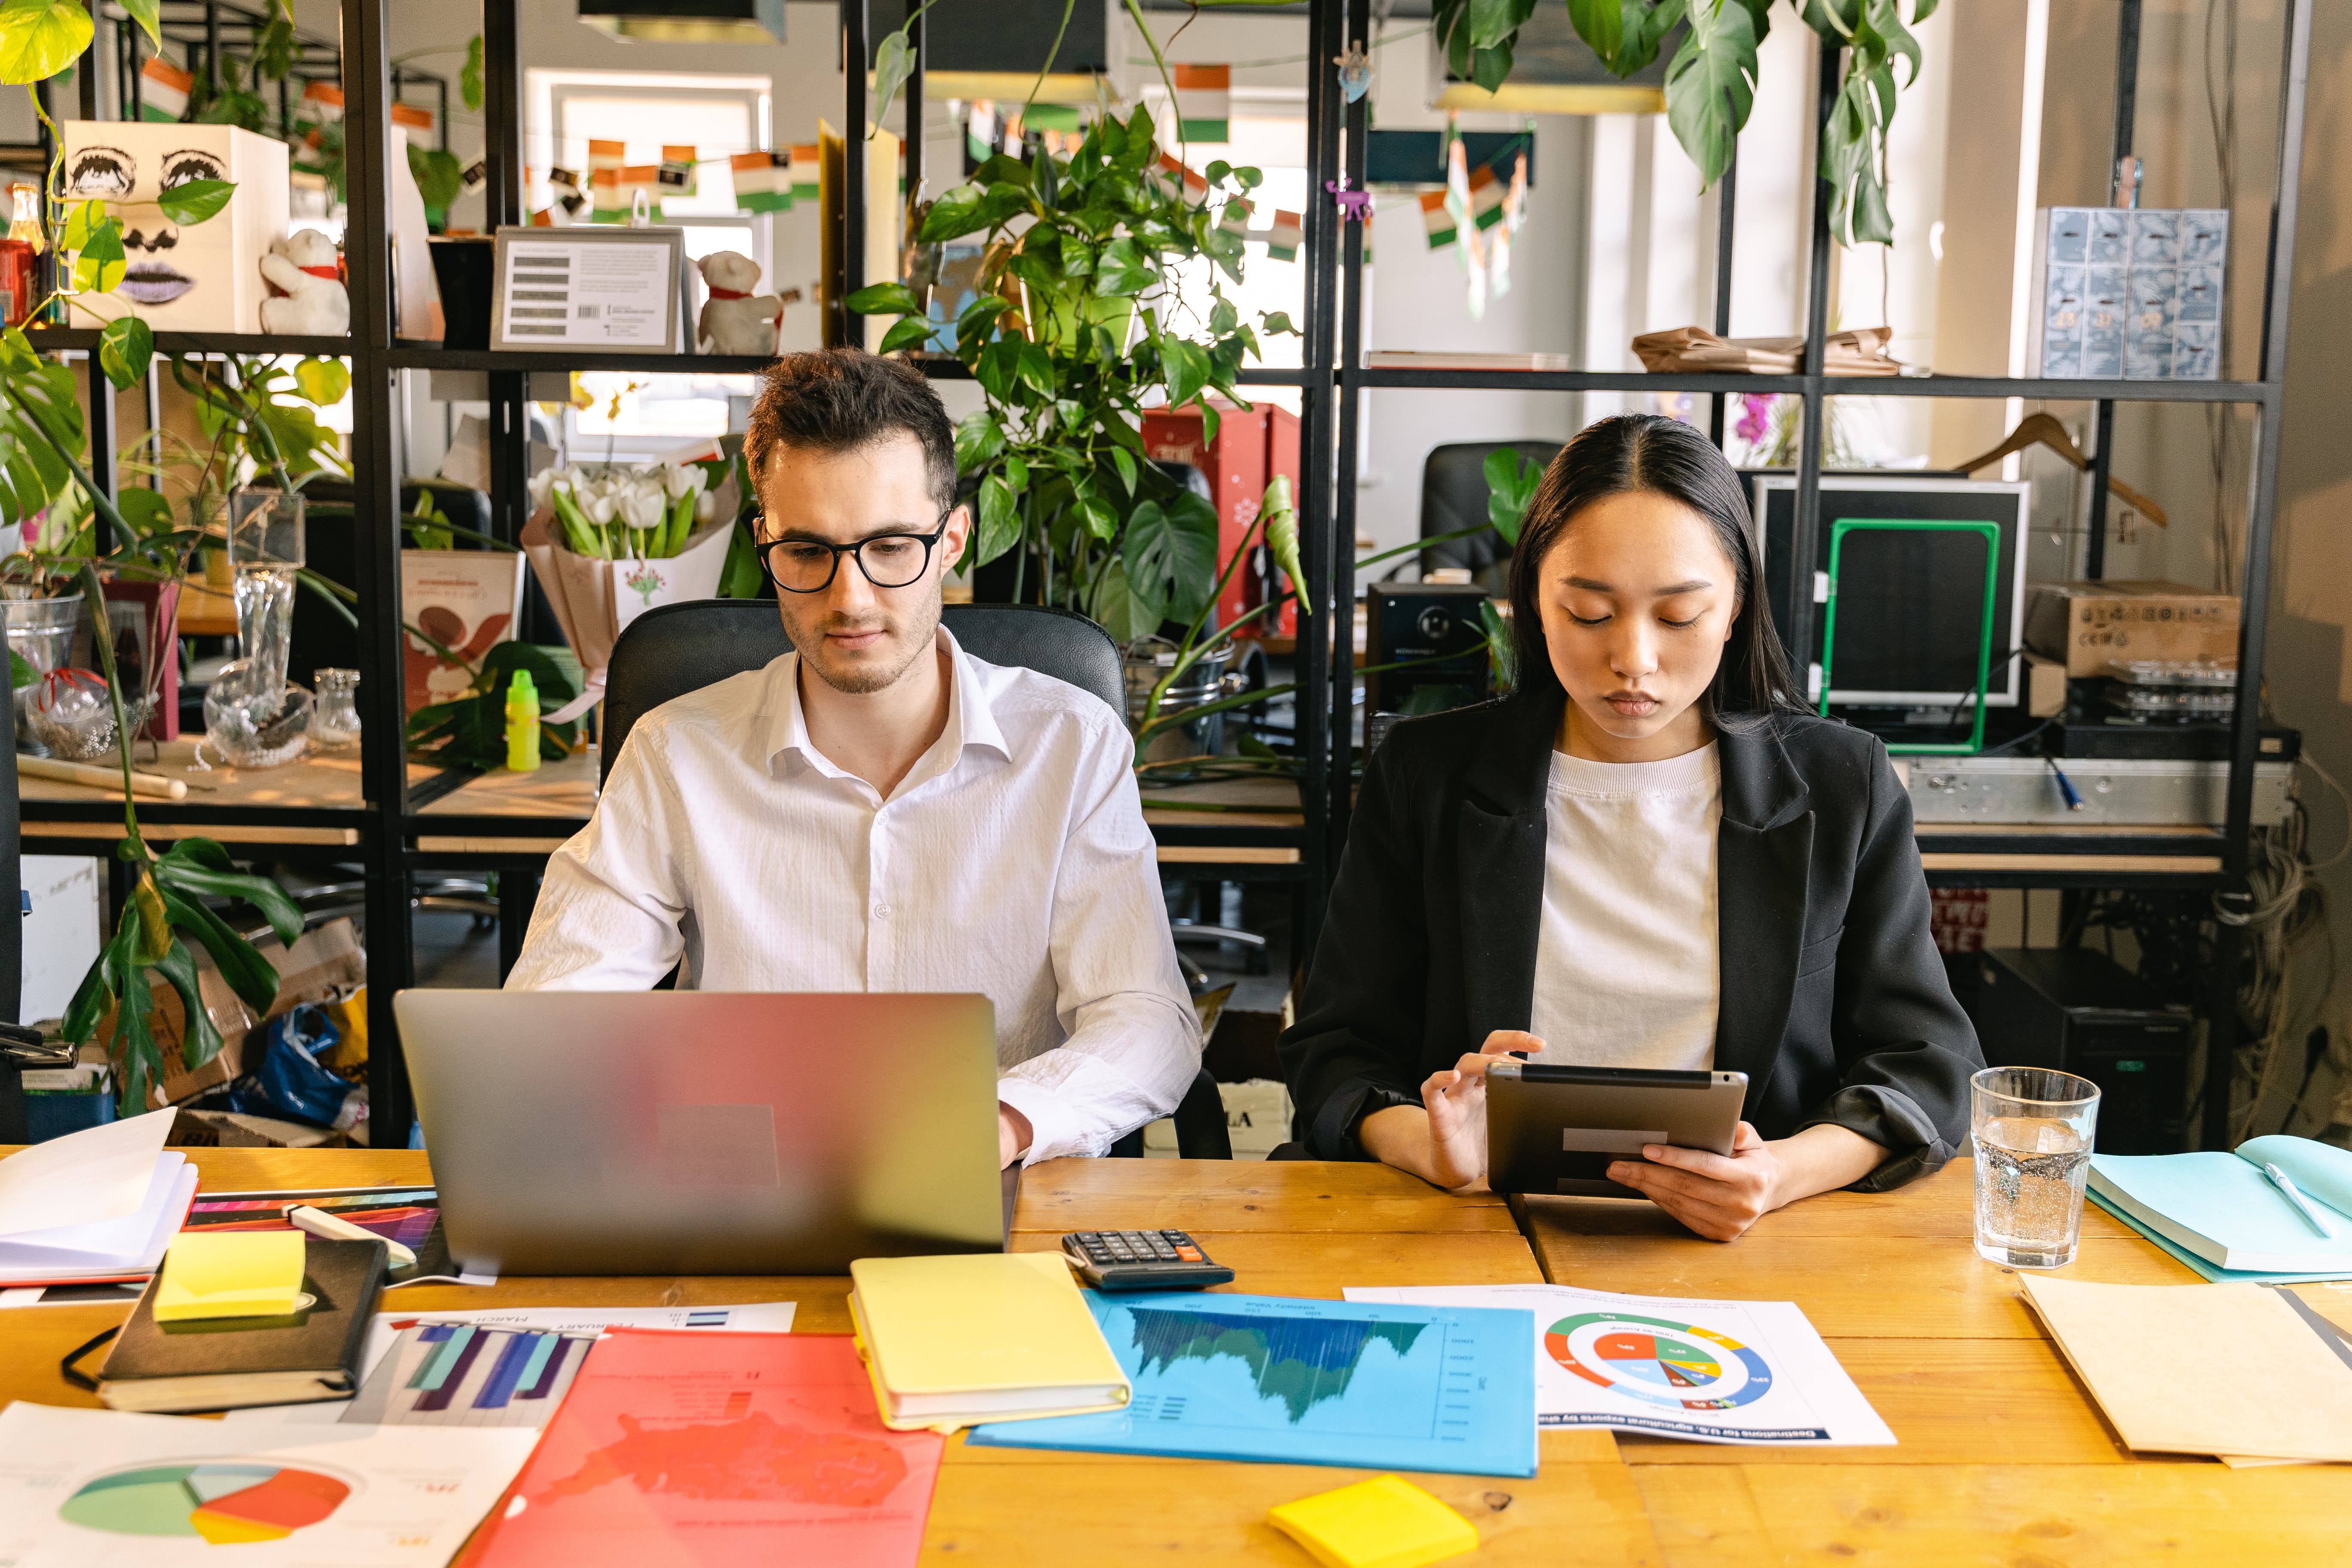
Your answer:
<point x="2221" y="1213"/>
<point x="2219" y="1276"/>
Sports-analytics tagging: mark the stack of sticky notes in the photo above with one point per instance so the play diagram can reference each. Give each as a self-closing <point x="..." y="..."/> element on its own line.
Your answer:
<point x="230" y="1274"/>
<point x="1380" y="1523"/>
<point x="990" y="1336"/>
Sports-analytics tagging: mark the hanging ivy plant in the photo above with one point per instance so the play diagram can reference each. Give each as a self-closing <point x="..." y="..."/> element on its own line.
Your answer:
<point x="1711" y="78"/>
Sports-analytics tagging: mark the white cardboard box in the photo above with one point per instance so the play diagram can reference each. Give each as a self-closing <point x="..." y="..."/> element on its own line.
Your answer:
<point x="203" y="277"/>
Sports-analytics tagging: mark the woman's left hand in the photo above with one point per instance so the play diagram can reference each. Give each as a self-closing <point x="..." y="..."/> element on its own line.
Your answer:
<point x="1718" y="1196"/>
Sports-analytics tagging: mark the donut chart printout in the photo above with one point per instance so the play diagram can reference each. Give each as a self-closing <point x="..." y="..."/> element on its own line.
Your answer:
<point x="110" y="1488"/>
<point x="1711" y="1372"/>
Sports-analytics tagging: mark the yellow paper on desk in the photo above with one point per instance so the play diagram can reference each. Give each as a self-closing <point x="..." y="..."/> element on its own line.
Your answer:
<point x="990" y="1336"/>
<point x="230" y="1274"/>
<point x="1381" y="1523"/>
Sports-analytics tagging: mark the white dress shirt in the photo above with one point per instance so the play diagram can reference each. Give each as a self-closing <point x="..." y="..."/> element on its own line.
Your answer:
<point x="1012" y="861"/>
<point x="1628" y="968"/>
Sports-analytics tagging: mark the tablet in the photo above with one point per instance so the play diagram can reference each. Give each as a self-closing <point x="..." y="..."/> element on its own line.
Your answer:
<point x="1555" y="1129"/>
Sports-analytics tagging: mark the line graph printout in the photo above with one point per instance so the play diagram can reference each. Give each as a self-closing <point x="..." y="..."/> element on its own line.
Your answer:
<point x="1306" y="1382"/>
<point x="1711" y="1372"/>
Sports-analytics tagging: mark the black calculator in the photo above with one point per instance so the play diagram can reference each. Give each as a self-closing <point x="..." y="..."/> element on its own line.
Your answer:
<point x="1142" y="1260"/>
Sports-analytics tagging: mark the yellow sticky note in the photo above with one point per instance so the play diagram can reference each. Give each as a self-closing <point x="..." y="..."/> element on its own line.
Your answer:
<point x="1380" y="1523"/>
<point x="230" y="1274"/>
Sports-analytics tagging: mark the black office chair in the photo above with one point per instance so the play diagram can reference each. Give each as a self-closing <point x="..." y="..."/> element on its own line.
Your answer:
<point x="1454" y="497"/>
<point x="678" y="648"/>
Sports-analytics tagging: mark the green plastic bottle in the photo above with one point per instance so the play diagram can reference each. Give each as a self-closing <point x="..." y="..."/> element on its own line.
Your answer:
<point x="522" y="723"/>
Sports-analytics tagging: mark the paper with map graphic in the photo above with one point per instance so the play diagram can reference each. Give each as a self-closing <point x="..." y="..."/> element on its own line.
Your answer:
<point x="1303" y="1381"/>
<point x="686" y="1449"/>
<point x="1666" y="1366"/>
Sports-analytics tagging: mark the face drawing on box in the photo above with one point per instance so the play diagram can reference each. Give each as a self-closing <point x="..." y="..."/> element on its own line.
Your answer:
<point x="113" y="176"/>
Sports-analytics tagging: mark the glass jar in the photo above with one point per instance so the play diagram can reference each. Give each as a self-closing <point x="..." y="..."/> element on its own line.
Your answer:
<point x="335" y="720"/>
<point x="20" y="257"/>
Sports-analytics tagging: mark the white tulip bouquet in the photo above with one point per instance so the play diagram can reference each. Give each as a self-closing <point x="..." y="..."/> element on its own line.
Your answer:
<point x="626" y="511"/>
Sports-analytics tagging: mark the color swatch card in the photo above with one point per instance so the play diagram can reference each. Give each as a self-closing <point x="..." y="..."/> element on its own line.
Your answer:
<point x="102" y="1489"/>
<point x="1712" y="1371"/>
<point x="1303" y="1381"/>
<point x="680" y="1450"/>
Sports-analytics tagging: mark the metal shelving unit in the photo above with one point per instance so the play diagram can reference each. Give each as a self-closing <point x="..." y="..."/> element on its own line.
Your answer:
<point x="390" y="823"/>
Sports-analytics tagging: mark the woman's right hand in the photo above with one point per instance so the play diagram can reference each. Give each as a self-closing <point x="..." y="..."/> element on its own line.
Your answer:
<point x="1455" y="1100"/>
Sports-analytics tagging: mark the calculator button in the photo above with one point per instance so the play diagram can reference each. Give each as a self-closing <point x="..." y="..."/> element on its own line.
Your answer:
<point x="1189" y="1254"/>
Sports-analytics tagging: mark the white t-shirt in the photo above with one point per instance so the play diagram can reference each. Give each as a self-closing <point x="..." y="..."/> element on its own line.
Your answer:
<point x="1626" y="961"/>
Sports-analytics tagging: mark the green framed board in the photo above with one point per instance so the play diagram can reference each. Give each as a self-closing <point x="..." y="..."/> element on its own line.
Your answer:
<point x="1844" y="528"/>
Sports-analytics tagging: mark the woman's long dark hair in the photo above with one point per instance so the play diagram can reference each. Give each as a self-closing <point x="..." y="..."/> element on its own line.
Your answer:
<point x="1649" y="453"/>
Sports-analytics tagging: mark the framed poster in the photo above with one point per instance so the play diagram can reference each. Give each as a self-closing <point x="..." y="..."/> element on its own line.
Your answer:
<point x="613" y="288"/>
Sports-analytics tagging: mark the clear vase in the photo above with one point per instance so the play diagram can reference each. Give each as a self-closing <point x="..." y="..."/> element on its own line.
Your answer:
<point x="335" y="720"/>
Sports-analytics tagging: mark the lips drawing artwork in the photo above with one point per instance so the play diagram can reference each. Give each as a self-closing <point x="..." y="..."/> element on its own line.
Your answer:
<point x="197" y="277"/>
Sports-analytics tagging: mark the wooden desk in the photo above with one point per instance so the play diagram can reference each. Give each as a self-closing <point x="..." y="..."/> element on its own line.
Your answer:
<point x="2003" y="1456"/>
<point x="1286" y="1228"/>
<point x="324" y="782"/>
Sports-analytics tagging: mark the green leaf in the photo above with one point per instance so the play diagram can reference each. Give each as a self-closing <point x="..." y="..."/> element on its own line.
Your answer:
<point x="1125" y="465"/>
<point x="273" y="54"/>
<point x="147" y="512"/>
<point x="886" y="299"/>
<point x="184" y="877"/>
<point x="193" y="201"/>
<point x="39" y="39"/>
<point x="148" y="14"/>
<point x="84" y="220"/>
<point x="1123" y="268"/>
<point x="1511" y="482"/>
<point x="252" y="976"/>
<point x="978" y="439"/>
<point x="1273" y="322"/>
<point x="1600" y="23"/>
<point x="1222" y="316"/>
<point x="908" y="331"/>
<point x="126" y="346"/>
<point x="894" y="62"/>
<point x="1017" y="474"/>
<point x="1281" y="520"/>
<point x="469" y="75"/>
<point x="1037" y="368"/>
<point x="99" y="267"/>
<point x="1187" y="365"/>
<point x="1171" y="553"/>
<point x="1119" y="610"/>
<point x="973" y="325"/>
<point x="440" y="178"/>
<point x="1711" y="85"/>
<point x="21" y="672"/>
<point x="1501" y="648"/>
<point x="323" y="381"/>
<point x="200" y="1039"/>
<point x="1000" y="526"/>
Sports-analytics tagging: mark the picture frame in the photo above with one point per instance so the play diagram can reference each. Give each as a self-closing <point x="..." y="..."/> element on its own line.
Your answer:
<point x="546" y="295"/>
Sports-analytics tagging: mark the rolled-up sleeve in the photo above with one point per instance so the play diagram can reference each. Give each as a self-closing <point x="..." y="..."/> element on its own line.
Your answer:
<point x="1133" y="1041"/>
<point x="1905" y="1049"/>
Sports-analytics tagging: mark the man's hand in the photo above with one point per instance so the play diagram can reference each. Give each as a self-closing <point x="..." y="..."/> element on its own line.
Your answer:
<point x="1721" y="1197"/>
<point x="1445" y="1142"/>
<point x="1013" y="1135"/>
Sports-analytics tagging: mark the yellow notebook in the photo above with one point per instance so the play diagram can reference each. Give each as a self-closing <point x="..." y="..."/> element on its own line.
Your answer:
<point x="991" y="1336"/>
<point x="1380" y="1523"/>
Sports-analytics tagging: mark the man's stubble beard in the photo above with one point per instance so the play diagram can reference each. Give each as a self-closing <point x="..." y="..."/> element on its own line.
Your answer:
<point x="919" y="636"/>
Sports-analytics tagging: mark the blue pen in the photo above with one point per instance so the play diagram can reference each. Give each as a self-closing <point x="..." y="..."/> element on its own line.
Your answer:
<point x="2302" y="1204"/>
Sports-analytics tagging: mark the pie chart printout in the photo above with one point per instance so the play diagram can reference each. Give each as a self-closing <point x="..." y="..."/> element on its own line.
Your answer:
<point x="1662" y="1362"/>
<point x="223" y="1501"/>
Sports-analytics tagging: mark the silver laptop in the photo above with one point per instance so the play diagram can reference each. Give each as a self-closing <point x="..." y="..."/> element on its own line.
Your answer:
<point x="706" y="1133"/>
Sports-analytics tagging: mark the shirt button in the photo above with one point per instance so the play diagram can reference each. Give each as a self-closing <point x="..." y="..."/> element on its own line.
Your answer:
<point x="881" y="912"/>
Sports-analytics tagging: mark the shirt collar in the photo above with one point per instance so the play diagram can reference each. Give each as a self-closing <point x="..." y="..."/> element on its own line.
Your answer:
<point x="971" y="721"/>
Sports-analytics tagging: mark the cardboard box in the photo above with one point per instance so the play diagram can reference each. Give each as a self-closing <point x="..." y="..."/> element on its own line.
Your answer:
<point x="325" y="965"/>
<point x="169" y="1024"/>
<point x="2089" y="626"/>
<point x="2045" y="686"/>
<point x="205" y="277"/>
<point x="236" y="1129"/>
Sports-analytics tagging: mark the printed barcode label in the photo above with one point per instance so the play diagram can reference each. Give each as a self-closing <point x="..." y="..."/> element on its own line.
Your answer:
<point x="587" y="312"/>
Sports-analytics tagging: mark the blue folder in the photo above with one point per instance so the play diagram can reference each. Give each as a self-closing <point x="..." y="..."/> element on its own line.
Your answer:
<point x="1306" y="1382"/>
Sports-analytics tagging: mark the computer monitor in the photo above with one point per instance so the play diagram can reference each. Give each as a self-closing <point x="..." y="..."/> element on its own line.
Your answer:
<point x="1910" y="607"/>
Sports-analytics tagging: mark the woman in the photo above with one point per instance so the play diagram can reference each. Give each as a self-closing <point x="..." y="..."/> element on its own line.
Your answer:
<point x="1648" y="856"/>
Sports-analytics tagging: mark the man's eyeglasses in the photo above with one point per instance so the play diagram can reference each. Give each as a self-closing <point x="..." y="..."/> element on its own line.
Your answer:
<point x="888" y="560"/>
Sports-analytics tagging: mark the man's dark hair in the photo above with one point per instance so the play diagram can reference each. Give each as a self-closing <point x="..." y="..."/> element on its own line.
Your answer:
<point x="837" y="400"/>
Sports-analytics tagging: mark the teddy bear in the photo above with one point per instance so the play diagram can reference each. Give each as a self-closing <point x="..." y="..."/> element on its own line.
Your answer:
<point x="735" y="320"/>
<point x="308" y="298"/>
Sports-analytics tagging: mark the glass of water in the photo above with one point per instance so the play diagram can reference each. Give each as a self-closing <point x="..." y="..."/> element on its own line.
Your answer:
<point x="2033" y="1133"/>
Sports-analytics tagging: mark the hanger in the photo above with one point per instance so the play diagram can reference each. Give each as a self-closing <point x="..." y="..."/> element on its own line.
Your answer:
<point x="2044" y="430"/>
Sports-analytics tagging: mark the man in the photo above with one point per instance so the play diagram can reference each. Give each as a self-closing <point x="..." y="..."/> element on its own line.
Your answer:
<point x="880" y="811"/>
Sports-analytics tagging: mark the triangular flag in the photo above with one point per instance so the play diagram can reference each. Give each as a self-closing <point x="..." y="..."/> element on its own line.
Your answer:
<point x="1205" y="101"/>
<point x="1288" y="233"/>
<point x="1486" y="193"/>
<point x="1437" y="219"/>
<point x="678" y="164"/>
<point x="764" y="182"/>
<point x="163" y="89"/>
<point x="806" y="163"/>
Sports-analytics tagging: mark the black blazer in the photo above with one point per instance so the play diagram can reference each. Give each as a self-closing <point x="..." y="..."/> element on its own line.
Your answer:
<point x="1835" y="1002"/>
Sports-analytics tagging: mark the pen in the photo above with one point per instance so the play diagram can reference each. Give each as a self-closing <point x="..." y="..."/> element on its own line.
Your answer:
<point x="2302" y="1204"/>
<point x="318" y="1222"/>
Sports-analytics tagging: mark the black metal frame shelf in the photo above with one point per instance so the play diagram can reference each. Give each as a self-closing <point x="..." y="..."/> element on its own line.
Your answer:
<point x="390" y="824"/>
